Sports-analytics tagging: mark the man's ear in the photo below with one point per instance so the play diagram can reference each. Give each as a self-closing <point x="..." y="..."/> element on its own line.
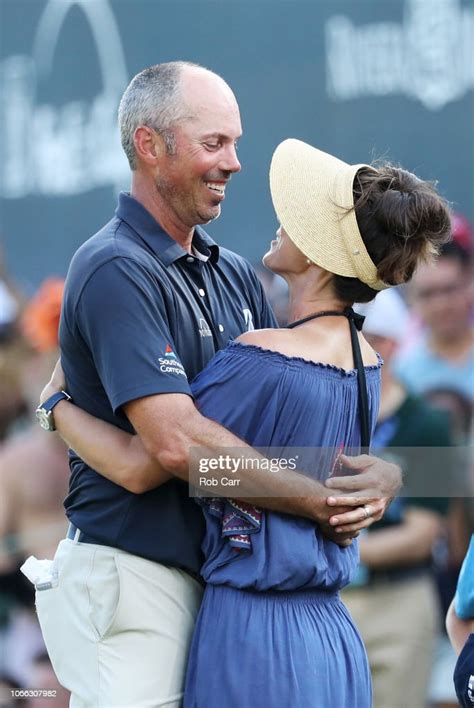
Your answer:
<point x="149" y="145"/>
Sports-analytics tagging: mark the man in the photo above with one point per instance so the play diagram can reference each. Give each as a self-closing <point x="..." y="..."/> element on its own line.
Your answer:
<point x="149" y="299"/>
<point x="443" y="358"/>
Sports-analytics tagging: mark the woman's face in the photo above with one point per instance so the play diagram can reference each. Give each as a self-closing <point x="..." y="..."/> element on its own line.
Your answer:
<point x="284" y="257"/>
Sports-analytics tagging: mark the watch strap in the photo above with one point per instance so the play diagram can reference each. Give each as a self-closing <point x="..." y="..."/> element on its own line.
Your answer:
<point x="53" y="400"/>
<point x="44" y="412"/>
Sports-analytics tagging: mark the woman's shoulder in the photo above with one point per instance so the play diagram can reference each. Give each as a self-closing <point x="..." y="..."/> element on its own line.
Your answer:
<point x="322" y="351"/>
<point x="269" y="345"/>
<point x="264" y="338"/>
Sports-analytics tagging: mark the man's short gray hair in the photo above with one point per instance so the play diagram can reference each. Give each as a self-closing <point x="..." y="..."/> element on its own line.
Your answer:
<point x="152" y="98"/>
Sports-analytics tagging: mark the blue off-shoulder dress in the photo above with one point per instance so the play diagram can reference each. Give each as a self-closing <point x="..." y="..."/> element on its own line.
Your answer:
<point x="272" y="629"/>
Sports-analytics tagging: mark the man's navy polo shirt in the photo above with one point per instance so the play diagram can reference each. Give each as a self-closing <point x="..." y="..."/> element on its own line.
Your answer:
<point x="141" y="316"/>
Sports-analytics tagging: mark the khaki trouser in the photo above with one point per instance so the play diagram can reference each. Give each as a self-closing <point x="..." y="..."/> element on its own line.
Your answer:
<point x="398" y="622"/>
<point x="118" y="627"/>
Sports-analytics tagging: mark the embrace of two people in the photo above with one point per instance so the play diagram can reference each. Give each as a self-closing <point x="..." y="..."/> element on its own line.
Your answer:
<point x="168" y="344"/>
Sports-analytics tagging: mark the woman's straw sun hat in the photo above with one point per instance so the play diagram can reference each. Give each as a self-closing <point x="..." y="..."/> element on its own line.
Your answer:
<point x="313" y="198"/>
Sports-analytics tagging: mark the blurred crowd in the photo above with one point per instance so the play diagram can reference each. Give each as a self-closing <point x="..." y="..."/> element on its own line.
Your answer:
<point x="34" y="474"/>
<point x="409" y="561"/>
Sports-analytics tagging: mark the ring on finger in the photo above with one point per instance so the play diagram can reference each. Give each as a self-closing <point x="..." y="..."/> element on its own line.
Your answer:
<point x="367" y="511"/>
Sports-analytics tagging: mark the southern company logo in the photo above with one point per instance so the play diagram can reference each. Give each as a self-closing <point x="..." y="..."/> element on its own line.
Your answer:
<point x="169" y="352"/>
<point x="169" y="363"/>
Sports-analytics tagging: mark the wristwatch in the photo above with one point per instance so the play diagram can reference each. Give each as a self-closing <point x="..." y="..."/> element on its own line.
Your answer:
<point x="44" y="412"/>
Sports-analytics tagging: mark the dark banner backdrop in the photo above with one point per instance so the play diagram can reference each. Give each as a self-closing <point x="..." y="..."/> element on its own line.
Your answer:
<point x="359" y="78"/>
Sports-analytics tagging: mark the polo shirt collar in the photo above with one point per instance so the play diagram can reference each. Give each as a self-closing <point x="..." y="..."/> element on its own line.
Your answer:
<point x="166" y="248"/>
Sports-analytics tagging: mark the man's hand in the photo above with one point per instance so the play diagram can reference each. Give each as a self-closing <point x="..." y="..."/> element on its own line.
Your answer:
<point x="370" y="492"/>
<point x="376" y="477"/>
<point x="56" y="383"/>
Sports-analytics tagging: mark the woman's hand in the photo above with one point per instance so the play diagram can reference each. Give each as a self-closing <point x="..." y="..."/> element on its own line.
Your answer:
<point x="56" y="383"/>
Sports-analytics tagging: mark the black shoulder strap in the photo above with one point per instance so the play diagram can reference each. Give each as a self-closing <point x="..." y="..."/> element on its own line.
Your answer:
<point x="353" y="318"/>
<point x="355" y="324"/>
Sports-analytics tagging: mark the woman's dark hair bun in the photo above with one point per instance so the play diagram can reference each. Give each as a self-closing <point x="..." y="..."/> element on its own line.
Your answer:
<point x="402" y="221"/>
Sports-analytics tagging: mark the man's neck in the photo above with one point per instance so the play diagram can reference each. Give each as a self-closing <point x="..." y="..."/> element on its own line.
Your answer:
<point x="143" y="191"/>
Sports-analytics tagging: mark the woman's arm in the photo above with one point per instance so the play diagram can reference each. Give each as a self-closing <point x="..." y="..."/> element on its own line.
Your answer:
<point x="112" y="452"/>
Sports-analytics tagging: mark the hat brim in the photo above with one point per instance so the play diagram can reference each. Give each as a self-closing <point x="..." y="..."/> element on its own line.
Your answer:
<point x="312" y="194"/>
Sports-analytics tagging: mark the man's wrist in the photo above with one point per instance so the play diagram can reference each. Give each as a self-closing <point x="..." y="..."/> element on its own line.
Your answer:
<point x="315" y="504"/>
<point x="48" y="391"/>
<point x="45" y="411"/>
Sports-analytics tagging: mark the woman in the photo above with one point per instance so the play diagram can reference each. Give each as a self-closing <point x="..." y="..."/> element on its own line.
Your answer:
<point x="271" y="626"/>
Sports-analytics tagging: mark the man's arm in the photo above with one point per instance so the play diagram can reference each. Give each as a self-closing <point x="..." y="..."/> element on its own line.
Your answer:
<point x="170" y="424"/>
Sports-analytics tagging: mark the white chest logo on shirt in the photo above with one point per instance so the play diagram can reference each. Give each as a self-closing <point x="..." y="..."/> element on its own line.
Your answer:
<point x="470" y="689"/>
<point x="204" y="329"/>
<point x="248" y="320"/>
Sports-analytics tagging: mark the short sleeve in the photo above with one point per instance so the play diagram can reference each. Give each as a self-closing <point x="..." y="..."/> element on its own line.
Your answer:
<point x="122" y="316"/>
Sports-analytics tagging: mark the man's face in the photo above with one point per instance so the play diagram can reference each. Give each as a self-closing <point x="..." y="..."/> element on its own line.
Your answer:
<point x="440" y="295"/>
<point x="192" y="181"/>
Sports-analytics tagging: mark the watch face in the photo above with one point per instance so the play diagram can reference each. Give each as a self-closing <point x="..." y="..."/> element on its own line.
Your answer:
<point x="45" y="418"/>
